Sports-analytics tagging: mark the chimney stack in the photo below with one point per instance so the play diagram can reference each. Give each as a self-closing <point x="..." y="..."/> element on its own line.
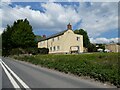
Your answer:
<point x="69" y="26"/>
<point x="44" y="36"/>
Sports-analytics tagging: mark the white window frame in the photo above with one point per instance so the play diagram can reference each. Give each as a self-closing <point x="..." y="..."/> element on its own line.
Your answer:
<point x="58" y="47"/>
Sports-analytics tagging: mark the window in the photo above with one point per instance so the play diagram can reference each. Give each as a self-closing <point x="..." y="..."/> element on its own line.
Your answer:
<point x="50" y="48"/>
<point x="54" y="48"/>
<point x="58" y="37"/>
<point x="58" y="47"/>
<point x="53" y="39"/>
<point x="78" y="38"/>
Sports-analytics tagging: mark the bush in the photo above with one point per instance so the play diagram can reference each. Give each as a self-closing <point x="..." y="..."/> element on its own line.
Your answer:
<point x="17" y="51"/>
<point x="35" y="51"/>
<point x="43" y="50"/>
<point x="32" y="51"/>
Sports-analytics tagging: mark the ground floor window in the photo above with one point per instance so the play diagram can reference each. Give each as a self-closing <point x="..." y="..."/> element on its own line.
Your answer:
<point x="50" y="48"/>
<point x="58" y="47"/>
<point x="54" y="48"/>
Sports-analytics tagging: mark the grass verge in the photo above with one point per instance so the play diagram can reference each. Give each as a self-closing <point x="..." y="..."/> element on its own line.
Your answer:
<point x="100" y="66"/>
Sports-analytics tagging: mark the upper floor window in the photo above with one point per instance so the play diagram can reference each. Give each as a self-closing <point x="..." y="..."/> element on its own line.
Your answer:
<point x="53" y="39"/>
<point x="78" y="38"/>
<point x="58" y="37"/>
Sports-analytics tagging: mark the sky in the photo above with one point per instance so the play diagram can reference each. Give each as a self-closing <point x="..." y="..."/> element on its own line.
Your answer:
<point x="99" y="19"/>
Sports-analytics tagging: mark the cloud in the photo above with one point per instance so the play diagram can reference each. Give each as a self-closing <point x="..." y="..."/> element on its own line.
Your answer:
<point x="5" y="0"/>
<point x="56" y="17"/>
<point x="96" y="17"/>
<point x="59" y="15"/>
<point x="1" y="30"/>
<point x="104" y="40"/>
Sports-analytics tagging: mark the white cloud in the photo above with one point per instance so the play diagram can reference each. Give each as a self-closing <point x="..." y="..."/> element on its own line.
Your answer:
<point x="60" y="0"/>
<point x="104" y="40"/>
<point x="6" y="0"/>
<point x="3" y="2"/>
<point x="99" y="17"/>
<point x="96" y="19"/>
<point x="60" y="15"/>
<point x="55" y="17"/>
<point x="1" y="30"/>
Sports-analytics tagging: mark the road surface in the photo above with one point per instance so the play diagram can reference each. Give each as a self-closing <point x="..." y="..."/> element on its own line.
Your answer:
<point x="18" y="74"/>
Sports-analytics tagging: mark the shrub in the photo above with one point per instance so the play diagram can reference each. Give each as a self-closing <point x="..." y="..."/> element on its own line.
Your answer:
<point x="17" y="51"/>
<point x="43" y="50"/>
<point x="32" y="50"/>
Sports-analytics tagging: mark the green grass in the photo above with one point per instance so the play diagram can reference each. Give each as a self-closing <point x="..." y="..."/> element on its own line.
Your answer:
<point x="100" y="66"/>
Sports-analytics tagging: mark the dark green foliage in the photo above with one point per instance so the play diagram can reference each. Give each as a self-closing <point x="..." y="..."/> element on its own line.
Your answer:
<point x="22" y="35"/>
<point x="100" y="66"/>
<point x="43" y="50"/>
<point x="17" y="51"/>
<point x="7" y="44"/>
<point x="32" y="50"/>
<point x="86" y="41"/>
<point x="102" y="46"/>
<point x="37" y="38"/>
<point x="92" y="48"/>
<point x="19" y="35"/>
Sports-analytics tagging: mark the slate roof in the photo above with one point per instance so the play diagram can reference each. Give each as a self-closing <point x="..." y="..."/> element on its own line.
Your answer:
<point x="54" y="35"/>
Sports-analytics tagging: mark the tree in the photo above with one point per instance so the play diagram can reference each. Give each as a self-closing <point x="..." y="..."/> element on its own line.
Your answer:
<point x="37" y="38"/>
<point x="86" y="41"/>
<point x="92" y="48"/>
<point x="19" y="35"/>
<point x="6" y="40"/>
<point x="22" y="35"/>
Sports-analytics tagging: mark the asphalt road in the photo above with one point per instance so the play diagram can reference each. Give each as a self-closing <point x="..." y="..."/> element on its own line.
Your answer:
<point x="33" y="76"/>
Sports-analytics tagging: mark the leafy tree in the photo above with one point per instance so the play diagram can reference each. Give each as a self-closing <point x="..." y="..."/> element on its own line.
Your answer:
<point x="19" y="35"/>
<point x="92" y="48"/>
<point x="6" y="41"/>
<point x="22" y="35"/>
<point x="86" y="41"/>
<point x="37" y="38"/>
<point x="43" y="50"/>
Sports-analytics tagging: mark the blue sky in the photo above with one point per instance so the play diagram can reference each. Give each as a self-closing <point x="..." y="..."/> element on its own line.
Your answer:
<point x="99" y="19"/>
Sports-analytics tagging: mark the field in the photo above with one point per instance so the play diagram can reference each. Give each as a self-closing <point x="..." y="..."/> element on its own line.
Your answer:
<point x="100" y="66"/>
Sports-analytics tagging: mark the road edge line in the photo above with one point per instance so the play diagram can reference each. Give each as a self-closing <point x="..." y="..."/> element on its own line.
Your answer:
<point x="18" y="78"/>
<point x="14" y="83"/>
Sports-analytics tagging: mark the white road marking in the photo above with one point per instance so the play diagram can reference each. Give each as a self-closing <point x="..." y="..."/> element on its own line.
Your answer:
<point x="14" y="83"/>
<point x="20" y="80"/>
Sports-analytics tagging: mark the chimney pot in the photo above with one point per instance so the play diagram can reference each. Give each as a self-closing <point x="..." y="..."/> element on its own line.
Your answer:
<point x="44" y="36"/>
<point x="69" y="26"/>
